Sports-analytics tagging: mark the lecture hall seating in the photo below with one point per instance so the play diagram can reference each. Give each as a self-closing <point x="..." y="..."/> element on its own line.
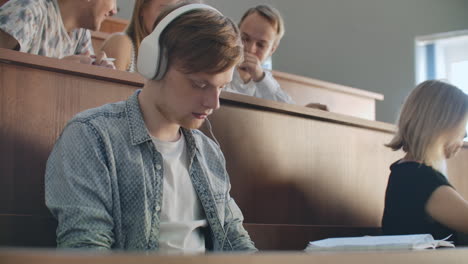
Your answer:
<point x="303" y="90"/>
<point x="298" y="174"/>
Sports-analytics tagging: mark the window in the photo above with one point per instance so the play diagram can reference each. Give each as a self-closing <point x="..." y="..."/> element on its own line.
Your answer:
<point x="443" y="56"/>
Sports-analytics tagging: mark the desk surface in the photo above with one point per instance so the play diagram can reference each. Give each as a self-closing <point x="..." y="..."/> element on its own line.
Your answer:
<point x="23" y="256"/>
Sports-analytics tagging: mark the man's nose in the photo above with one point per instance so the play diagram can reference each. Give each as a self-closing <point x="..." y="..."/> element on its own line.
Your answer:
<point x="211" y="99"/>
<point x="114" y="10"/>
<point x="249" y="46"/>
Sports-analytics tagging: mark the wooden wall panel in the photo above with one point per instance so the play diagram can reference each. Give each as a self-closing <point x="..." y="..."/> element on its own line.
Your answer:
<point x="294" y="171"/>
<point x="27" y="231"/>
<point x="448" y="256"/>
<point x="338" y="98"/>
<point x="113" y="24"/>
<point x="33" y="112"/>
<point x="457" y="171"/>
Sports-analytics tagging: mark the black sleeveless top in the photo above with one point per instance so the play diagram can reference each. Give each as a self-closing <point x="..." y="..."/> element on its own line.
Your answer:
<point x="410" y="186"/>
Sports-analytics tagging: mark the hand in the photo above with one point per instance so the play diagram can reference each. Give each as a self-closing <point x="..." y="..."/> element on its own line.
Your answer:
<point x="252" y="66"/>
<point x="87" y="58"/>
<point x="100" y="60"/>
<point x="84" y="58"/>
<point x="318" y="106"/>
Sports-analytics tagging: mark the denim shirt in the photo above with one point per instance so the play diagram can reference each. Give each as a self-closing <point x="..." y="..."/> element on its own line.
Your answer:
<point x="103" y="183"/>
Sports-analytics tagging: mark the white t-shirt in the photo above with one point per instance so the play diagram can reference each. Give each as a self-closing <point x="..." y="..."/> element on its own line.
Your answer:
<point x="38" y="27"/>
<point x="182" y="217"/>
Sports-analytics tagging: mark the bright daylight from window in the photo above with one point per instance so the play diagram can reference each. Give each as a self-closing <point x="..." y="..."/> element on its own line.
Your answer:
<point x="443" y="56"/>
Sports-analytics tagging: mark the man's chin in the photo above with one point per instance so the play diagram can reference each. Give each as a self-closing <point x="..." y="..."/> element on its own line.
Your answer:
<point x="193" y="124"/>
<point x="96" y="26"/>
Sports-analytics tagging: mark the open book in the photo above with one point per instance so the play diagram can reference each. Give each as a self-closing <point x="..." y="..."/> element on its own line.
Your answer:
<point x="422" y="241"/>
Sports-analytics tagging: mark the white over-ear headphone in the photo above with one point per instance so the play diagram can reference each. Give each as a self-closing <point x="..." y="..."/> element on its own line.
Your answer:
<point x="152" y="59"/>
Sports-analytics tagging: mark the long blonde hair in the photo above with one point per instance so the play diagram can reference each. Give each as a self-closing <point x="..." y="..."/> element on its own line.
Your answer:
<point x="136" y="30"/>
<point x="431" y="110"/>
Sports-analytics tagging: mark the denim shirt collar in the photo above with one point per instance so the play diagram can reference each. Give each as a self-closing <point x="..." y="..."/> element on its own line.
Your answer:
<point x="139" y="133"/>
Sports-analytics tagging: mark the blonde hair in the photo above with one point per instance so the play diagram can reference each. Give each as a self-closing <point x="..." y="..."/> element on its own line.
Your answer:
<point x="136" y="30"/>
<point x="431" y="110"/>
<point x="201" y="40"/>
<point x="272" y="15"/>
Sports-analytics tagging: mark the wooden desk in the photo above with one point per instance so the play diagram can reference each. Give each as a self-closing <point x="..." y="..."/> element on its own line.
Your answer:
<point x="293" y="170"/>
<point x="339" y="98"/>
<point x="382" y="257"/>
<point x="113" y="24"/>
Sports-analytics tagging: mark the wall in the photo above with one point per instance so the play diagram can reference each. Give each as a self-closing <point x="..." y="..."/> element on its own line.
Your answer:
<point x="367" y="44"/>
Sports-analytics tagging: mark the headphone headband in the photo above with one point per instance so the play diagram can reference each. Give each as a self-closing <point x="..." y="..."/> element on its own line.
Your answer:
<point x="152" y="62"/>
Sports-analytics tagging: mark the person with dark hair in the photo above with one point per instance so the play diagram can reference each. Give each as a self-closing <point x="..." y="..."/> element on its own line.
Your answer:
<point x="55" y="28"/>
<point x="137" y="174"/>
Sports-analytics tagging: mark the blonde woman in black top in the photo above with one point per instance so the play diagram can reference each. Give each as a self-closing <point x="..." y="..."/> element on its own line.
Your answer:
<point x="419" y="197"/>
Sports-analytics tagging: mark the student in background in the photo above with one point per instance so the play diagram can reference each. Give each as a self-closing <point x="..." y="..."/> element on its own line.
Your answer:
<point x="419" y="198"/>
<point x="55" y="28"/>
<point x="137" y="174"/>
<point x="123" y="46"/>
<point x="262" y="28"/>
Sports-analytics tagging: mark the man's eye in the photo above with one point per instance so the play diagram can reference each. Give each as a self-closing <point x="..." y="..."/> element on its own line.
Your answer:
<point x="199" y="85"/>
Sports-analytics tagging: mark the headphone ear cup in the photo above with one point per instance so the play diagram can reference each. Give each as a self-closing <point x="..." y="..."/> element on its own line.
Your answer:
<point x="148" y="56"/>
<point x="162" y="64"/>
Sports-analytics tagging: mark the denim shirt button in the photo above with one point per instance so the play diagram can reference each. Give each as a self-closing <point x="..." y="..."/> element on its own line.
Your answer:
<point x="158" y="167"/>
<point x="158" y="208"/>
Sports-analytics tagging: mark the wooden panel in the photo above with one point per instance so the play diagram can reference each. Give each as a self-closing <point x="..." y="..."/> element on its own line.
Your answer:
<point x="288" y="169"/>
<point x="27" y="231"/>
<point x="293" y="169"/>
<point x="457" y="170"/>
<point x="33" y="111"/>
<point x="113" y="24"/>
<point x="339" y="99"/>
<point x="382" y="257"/>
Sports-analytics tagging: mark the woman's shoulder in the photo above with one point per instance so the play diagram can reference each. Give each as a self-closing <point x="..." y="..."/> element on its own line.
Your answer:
<point x="415" y="171"/>
<point x="119" y="39"/>
<point x="119" y="46"/>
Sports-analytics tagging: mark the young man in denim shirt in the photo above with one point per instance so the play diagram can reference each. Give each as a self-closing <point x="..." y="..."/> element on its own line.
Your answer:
<point x="137" y="174"/>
